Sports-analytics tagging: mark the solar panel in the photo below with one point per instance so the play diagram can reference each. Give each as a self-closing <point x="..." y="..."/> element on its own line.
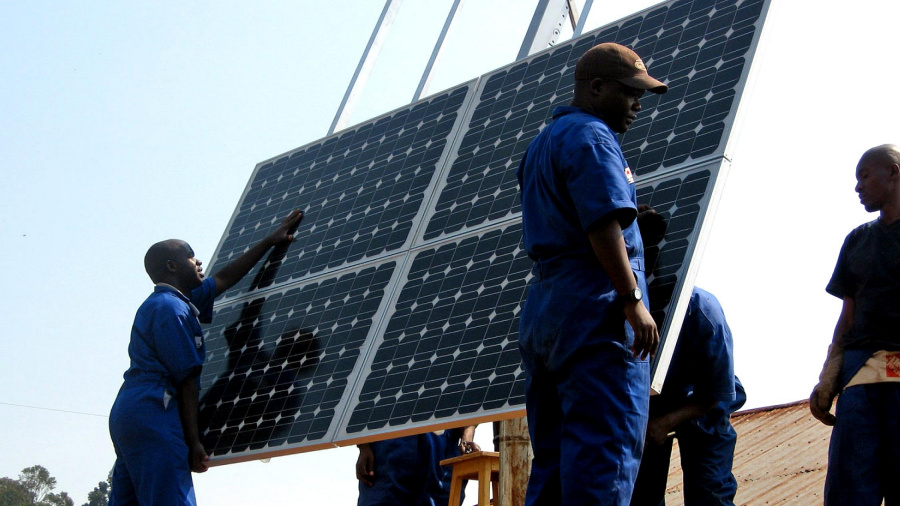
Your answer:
<point x="396" y="311"/>
<point x="361" y="190"/>
<point x="702" y="68"/>
<point x="450" y="343"/>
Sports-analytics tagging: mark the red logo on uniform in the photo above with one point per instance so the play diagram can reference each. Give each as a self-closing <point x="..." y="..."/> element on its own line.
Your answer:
<point x="892" y="365"/>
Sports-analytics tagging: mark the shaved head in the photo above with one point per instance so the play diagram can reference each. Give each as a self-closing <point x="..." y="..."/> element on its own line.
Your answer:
<point x="160" y="253"/>
<point x="878" y="181"/>
<point x="886" y="154"/>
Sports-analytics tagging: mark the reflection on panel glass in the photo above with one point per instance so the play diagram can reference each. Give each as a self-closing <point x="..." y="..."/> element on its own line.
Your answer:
<point x="278" y="365"/>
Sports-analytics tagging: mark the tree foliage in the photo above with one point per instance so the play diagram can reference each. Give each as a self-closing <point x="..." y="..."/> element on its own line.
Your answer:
<point x="34" y="487"/>
<point x="99" y="496"/>
<point x="38" y="482"/>
<point x="13" y="493"/>
<point x="60" y="499"/>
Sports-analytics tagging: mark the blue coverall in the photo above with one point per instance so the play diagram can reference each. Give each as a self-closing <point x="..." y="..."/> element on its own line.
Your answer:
<point x="408" y="471"/>
<point x="701" y="372"/>
<point x="586" y="394"/>
<point x="166" y="348"/>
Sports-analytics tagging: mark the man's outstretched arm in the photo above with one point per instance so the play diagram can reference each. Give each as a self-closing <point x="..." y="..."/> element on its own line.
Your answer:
<point x="228" y="276"/>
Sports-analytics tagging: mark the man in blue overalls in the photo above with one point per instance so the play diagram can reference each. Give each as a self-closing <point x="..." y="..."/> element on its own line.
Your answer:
<point x="863" y="365"/>
<point x="698" y="397"/>
<point x="585" y="331"/>
<point x="407" y="470"/>
<point x="153" y="422"/>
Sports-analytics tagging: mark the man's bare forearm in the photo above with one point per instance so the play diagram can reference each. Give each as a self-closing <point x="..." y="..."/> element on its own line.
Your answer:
<point x="188" y="408"/>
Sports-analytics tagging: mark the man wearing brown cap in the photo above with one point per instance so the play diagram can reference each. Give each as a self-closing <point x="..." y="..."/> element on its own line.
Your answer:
<point x="585" y="331"/>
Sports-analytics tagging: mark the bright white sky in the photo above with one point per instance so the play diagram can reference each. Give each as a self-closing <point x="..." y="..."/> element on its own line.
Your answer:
<point x="126" y="123"/>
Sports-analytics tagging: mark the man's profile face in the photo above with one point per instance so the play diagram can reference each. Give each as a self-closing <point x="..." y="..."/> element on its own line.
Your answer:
<point x="873" y="183"/>
<point x="616" y="103"/>
<point x="187" y="268"/>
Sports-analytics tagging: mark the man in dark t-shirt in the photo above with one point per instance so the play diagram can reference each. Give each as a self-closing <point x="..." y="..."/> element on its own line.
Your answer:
<point x="863" y="364"/>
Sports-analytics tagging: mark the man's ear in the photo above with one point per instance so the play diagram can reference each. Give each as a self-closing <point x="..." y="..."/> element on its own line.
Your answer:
<point x="170" y="265"/>
<point x="597" y="84"/>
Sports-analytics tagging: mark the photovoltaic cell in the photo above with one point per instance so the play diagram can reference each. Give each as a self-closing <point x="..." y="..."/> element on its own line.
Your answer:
<point x="396" y="309"/>
<point x="361" y="190"/>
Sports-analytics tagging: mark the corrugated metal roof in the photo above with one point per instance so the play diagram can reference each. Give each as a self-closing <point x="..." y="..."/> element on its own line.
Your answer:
<point x="781" y="456"/>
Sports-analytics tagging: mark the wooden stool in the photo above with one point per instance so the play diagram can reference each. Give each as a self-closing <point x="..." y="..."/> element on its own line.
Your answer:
<point x="481" y="466"/>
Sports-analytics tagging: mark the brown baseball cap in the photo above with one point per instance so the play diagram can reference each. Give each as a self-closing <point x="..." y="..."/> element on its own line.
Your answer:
<point x="614" y="61"/>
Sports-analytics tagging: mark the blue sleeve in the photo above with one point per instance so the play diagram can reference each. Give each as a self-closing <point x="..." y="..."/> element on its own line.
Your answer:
<point x="712" y="350"/>
<point x="597" y="182"/>
<point x="720" y="386"/>
<point x="177" y="347"/>
<point x="203" y="298"/>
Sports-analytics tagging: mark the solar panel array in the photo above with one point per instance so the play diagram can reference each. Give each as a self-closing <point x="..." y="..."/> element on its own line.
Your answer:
<point x="396" y="309"/>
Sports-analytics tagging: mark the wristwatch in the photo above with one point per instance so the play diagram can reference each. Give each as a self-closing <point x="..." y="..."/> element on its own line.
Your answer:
<point x="633" y="295"/>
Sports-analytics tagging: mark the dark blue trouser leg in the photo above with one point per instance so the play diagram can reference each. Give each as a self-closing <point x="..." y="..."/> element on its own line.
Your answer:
<point x="706" y="462"/>
<point x="587" y="424"/>
<point x="650" y="486"/>
<point x="864" y="454"/>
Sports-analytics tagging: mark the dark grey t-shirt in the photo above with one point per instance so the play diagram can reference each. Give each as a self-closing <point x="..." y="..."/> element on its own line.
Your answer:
<point x="868" y="271"/>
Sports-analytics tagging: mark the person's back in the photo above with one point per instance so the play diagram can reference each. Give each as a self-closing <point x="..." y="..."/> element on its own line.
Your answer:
<point x="407" y="470"/>
<point x="166" y="351"/>
<point x="550" y="189"/>
<point x="695" y="405"/>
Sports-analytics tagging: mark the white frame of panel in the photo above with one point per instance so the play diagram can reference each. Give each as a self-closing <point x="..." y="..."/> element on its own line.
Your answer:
<point x="678" y="305"/>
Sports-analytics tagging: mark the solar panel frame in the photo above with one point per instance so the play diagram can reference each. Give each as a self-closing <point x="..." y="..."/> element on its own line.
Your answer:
<point x="686" y="236"/>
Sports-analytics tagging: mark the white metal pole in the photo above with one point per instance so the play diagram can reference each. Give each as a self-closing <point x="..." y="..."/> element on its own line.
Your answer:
<point x="342" y="118"/>
<point x="583" y="18"/>
<point x="544" y="30"/>
<point x="436" y="54"/>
